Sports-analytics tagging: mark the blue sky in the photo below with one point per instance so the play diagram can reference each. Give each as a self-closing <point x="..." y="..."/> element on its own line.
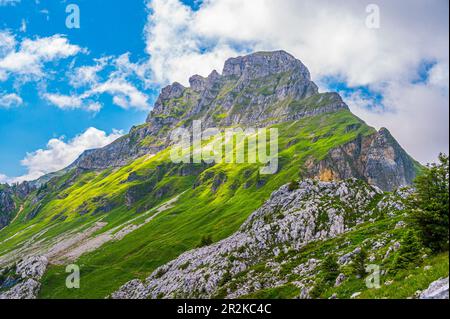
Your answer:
<point x="65" y="90"/>
<point x="105" y="30"/>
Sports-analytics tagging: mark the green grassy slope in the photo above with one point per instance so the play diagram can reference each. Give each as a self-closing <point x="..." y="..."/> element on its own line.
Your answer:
<point x="199" y="210"/>
<point x="393" y="285"/>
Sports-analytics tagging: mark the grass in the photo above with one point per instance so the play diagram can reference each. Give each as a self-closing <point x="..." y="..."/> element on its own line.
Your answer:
<point x="399" y="285"/>
<point x="407" y="282"/>
<point x="288" y="291"/>
<point x="198" y="212"/>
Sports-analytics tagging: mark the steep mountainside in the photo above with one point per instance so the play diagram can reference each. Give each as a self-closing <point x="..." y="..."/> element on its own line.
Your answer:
<point x="279" y="249"/>
<point x="287" y="222"/>
<point x="122" y="211"/>
<point x="9" y="196"/>
<point x="258" y="90"/>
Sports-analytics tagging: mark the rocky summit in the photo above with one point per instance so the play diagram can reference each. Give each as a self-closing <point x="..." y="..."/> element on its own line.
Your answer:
<point x="258" y="90"/>
<point x="140" y="225"/>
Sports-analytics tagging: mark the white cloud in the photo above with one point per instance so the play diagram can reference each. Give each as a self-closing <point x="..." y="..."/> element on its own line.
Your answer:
<point x="10" y="100"/>
<point x="331" y="38"/>
<point x="124" y="68"/>
<point x="30" y="57"/>
<point x="175" y="46"/>
<point x="3" y="179"/>
<point x="64" y="101"/>
<point x="59" y="154"/>
<point x="9" y="2"/>
<point x="87" y="74"/>
<point x="7" y="42"/>
<point x="414" y="113"/>
<point x="124" y="94"/>
<point x="120" y="79"/>
<point x="94" y="106"/>
<point x="72" y="102"/>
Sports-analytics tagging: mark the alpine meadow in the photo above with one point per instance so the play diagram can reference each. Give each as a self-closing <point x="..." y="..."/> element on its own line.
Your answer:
<point x="281" y="188"/>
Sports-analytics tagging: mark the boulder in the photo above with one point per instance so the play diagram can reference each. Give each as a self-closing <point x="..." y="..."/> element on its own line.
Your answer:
<point x="437" y="290"/>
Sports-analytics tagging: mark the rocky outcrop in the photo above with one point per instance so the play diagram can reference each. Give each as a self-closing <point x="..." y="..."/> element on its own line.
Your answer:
<point x="27" y="289"/>
<point x="376" y="158"/>
<point x="255" y="90"/>
<point x="288" y="221"/>
<point x="32" y="267"/>
<point x="250" y="90"/>
<point x="8" y="194"/>
<point x="437" y="290"/>
<point x="25" y="278"/>
<point x="7" y="206"/>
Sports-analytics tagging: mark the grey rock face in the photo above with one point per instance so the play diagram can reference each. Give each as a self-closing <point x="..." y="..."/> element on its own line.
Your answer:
<point x="25" y="290"/>
<point x="32" y="267"/>
<point x="250" y="91"/>
<point x="197" y="83"/>
<point x="287" y="221"/>
<point x="262" y="64"/>
<point x="437" y="290"/>
<point x="339" y="280"/>
<point x="29" y="271"/>
<point x="119" y="152"/>
<point x="7" y="206"/>
<point x="133" y="289"/>
<point x="8" y="195"/>
<point x="376" y="158"/>
<point x="345" y="259"/>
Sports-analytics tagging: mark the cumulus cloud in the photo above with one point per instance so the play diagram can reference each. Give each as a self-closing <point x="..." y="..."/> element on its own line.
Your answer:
<point x="116" y="76"/>
<point x="415" y="113"/>
<point x="124" y="68"/>
<point x="59" y="154"/>
<point x="124" y="93"/>
<point x="32" y="54"/>
<point x="87" y="74"/>
<point x="64" y="101"/>
<point x="332" y="39"/>
<point x="175" y="45"/>
<point x="7" y="42"/>
<point x="10" y="100"/>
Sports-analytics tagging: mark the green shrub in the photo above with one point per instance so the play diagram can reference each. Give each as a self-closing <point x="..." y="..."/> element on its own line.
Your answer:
<point x="330" y="269"/>
<point x="430" y="206"/>
<point x="319" y="287"/>
<point x="226" y="278"/>
<point x="409" y="251"/>
<point x="359" y="263"/>
<point x="293" y="186"/>
<point x="206" y="240"/>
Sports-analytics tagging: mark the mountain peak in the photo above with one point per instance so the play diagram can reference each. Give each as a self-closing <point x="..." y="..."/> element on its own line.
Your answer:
<point x="263" y="63"/>
<point x="249" y="86"/>
<point x="258" y="90"/>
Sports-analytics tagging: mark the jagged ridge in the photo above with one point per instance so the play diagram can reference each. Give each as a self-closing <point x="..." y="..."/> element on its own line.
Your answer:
<point x="260" y="89"/>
